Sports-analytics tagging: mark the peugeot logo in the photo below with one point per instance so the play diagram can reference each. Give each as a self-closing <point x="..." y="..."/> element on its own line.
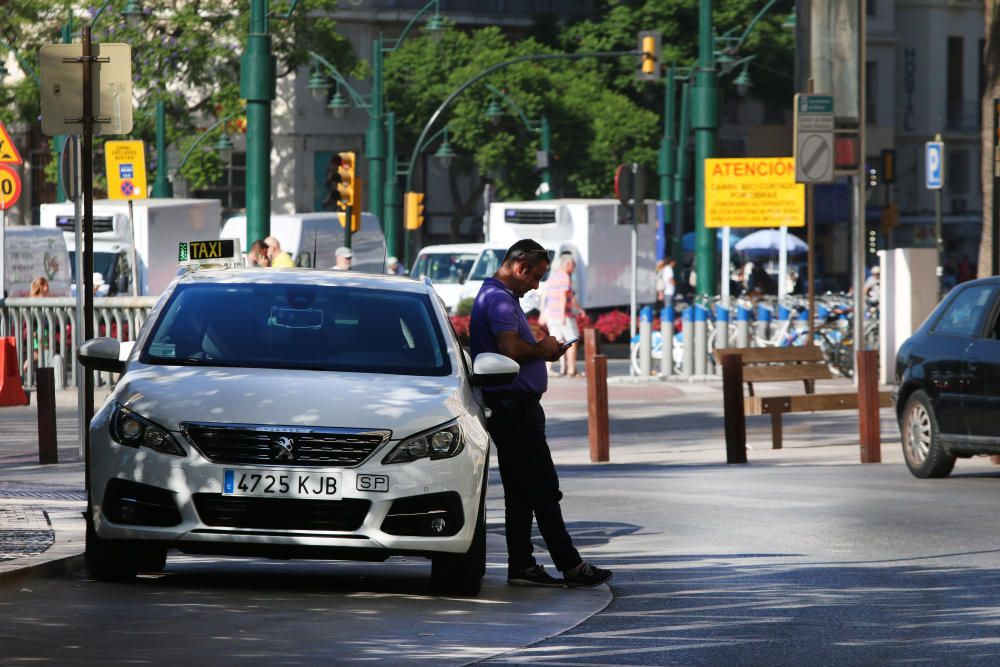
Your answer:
<point x="283" y="449"/>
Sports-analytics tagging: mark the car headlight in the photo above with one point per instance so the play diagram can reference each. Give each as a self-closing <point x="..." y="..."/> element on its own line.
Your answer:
<point x="439" y="443"/>
<point x="129" y="429"/>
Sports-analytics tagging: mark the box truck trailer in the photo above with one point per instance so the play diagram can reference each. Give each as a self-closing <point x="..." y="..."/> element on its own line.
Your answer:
<point x="160" y="225"/>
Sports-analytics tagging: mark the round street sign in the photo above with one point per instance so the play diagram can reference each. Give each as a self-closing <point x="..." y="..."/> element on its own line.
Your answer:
<point x="10" y="186"/>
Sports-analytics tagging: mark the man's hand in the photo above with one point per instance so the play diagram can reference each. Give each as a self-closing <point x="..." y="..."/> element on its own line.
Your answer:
<point x="551" y="348"/>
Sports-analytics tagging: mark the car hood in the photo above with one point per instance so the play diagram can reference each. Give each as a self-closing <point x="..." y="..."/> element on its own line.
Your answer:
<point x="170" y="395"/>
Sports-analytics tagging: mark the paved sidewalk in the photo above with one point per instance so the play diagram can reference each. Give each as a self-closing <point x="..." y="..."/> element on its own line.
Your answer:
<point x="676" y="422"/>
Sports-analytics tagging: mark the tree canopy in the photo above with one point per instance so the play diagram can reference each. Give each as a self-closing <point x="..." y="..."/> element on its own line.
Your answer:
<point x="184" y="53"/>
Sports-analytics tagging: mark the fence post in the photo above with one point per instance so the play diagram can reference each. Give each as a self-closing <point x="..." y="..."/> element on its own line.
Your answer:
<point x="732" y="403"/>
<point x="868" y="406"/>
<point x="597" y="408"/>
<point x="48" y="451"/>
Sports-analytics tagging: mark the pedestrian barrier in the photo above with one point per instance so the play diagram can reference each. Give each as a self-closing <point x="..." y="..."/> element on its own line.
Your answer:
<point x="44" y="331"/>
<point x="806" y="364"/>
<point x="11" y="392"/>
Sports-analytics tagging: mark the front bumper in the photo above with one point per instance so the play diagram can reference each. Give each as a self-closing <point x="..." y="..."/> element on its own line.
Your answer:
<point x="141" y="494"/>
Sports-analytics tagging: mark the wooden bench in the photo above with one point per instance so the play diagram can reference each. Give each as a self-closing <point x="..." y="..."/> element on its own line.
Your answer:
<point x="783" y="364"/>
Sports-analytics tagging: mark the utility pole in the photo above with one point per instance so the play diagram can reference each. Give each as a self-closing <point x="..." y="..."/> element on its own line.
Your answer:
<point x="375" y="145"/>
<point x="705" y="121"/>
<point x="665" y="163"/>
<point x="257" y="88"/>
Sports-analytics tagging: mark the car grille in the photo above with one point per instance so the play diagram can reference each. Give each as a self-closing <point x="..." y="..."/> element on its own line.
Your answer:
<point x="283" y="445"/>
<point x="281" y="513"/>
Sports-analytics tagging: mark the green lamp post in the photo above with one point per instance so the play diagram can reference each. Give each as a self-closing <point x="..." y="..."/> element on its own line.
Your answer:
<point x="539" y="127"/>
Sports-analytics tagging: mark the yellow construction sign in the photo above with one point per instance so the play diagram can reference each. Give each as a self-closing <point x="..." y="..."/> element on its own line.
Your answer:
<point x="753" y="192"/>
<point x="126" y="165"/>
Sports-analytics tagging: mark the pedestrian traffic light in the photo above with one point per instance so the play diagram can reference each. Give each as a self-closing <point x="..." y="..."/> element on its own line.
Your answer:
<point x="413" y="210"/>
<point x="649" y="46"/>
<point x="347" y="186"/>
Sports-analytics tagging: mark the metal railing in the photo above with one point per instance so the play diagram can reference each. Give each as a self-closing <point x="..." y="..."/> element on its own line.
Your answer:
<point x="45" y="331"/>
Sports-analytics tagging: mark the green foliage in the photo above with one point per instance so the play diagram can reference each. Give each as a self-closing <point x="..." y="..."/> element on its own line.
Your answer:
<point x="600" y="113"/>
<point x="185" y="54"/>
<point x="464" y="307"/>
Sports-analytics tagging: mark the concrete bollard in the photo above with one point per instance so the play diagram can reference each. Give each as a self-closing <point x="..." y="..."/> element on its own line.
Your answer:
<point x="687" y="340"/>
<point x="667" y="336"/>
<point x="700" y="339"/>
<point x="743" y="327"/>
<point x="784" y="317"/>
<point x="763" y="325"/>
<point x="645" y="341"/>
<point x="721" y="328"/>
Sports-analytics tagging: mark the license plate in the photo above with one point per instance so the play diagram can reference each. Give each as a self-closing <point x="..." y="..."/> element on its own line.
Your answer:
<point x="282" y="484"/>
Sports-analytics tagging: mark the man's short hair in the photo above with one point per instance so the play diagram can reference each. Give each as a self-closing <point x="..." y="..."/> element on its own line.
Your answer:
<point x="273" y="242"/>
<point x="528" y="251"/>
<point x="344" y="251"/>
<point x="258" y="246"/>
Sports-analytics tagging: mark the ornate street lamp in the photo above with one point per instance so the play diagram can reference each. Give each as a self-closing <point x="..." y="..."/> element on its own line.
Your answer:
<point x="444" y="153"/>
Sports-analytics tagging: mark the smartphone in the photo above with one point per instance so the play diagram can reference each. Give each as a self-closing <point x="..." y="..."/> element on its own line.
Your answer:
<point x="568" y="343"/>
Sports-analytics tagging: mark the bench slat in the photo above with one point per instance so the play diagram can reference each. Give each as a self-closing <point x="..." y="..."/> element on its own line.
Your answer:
<point x="762" y="405"/>
<point x="761" y="355"/>
<point x="784" y="373"/>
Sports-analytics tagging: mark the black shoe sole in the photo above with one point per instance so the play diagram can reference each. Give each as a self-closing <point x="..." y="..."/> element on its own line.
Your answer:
<point x="538" y="584"/>
<point x="580" y="584"/>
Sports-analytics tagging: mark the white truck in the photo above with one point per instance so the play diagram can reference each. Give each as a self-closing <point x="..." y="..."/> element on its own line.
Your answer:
<point x="587" y="228"/>
<point x="313" y="238"/>
<point x="160" y="224"/>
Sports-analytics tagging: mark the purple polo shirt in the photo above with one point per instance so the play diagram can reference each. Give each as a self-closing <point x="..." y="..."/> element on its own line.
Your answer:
<point x="496" y="309"/>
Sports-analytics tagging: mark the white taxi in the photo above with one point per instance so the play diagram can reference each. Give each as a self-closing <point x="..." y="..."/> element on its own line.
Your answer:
<point x="291" y="413"/>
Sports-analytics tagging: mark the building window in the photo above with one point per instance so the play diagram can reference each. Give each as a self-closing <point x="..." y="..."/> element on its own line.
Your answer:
<point x="871" y="7"/>
<point x="871" y="92"/>
<point x="231" y="188"/>
<point x="953" y="90"/>
<point x="957" y="171"/>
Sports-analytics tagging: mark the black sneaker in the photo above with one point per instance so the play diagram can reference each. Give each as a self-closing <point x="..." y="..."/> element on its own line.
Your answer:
<point x="533" y="576"/>
<point x="588" y="576"/>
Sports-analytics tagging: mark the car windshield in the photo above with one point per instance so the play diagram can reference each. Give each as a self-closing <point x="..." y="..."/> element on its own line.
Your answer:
<point x="490" y="260"/>
<point x="316" y="327"/>
<point x="444" y="267"/>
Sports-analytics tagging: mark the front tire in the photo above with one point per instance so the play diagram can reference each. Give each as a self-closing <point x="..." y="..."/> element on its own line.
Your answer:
<point x="925" y="455"/>
<point x="120" y="560"/>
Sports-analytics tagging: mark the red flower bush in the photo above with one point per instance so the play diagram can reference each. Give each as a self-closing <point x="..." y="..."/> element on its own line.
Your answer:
<point x="612" y="324"/>
<point x="461" y="324"/>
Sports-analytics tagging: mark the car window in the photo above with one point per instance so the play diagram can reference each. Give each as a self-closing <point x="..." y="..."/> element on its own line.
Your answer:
<point x="299" y="326"/>
<point x="445" y="267"/>
<point x="963" y="315"/>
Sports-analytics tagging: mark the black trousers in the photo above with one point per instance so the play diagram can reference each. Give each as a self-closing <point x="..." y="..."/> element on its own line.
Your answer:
<point x="530" y="482"/>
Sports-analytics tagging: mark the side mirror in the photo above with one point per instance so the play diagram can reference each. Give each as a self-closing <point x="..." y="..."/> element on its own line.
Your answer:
<point x="491" y="370"/>
<point x="101" y="354"/>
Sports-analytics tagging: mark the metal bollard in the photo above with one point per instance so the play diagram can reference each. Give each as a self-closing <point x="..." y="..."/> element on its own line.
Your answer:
<point x="700" y="339"/>
<point x="743" y="327"/>
<point x="59" y="368"/>
<point x="645" y="341"/>
<point x="763" y="322"/>
<point x="721" y="333"/>
<point x="687" y="340"/>
<point x="48" y="451"/>
<point x="784" y="315"/>
<point x="667" y="336"/>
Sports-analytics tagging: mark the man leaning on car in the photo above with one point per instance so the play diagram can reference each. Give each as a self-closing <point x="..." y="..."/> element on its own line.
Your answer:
<point x="517" y="424"/>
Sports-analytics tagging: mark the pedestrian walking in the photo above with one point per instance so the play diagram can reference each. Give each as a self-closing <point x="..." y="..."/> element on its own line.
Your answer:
<point x="559" y="309"/>
<point x="517" y="424"/>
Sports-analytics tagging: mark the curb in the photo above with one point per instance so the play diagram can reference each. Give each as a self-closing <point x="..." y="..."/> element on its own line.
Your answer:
<point x="24" y="568"/>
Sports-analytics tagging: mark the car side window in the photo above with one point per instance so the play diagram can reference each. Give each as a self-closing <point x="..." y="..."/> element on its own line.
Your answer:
<point x="965" y="313"/>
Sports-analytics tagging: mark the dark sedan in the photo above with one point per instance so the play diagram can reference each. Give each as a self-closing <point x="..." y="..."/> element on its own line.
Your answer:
<point x="948" y="381"/>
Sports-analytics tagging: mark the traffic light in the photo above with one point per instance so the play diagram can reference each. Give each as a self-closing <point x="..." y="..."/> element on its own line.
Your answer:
<point x="347" y="186"/>
<point x="649" y="46"/>
<point x="413" y="210"/>
<point x="888" y="166"/>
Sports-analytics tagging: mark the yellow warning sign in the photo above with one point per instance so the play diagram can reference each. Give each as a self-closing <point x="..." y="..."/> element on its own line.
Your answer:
<point x="8" y="151"/>
<point x="753" y="192"/>
<point x="126" y="165"/>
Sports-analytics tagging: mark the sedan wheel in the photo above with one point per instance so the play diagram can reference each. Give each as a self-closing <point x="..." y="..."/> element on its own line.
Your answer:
<point x="922" y="448"/>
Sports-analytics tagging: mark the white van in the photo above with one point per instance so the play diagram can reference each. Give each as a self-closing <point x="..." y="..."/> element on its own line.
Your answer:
<point x="449" y="267"/>
<point x="29" y="253"/>
<point x="312" y="239"/>
<point x="487" y="264"/>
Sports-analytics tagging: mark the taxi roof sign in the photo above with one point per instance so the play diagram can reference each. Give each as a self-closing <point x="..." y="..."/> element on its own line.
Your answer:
<point x="220" y="252"/>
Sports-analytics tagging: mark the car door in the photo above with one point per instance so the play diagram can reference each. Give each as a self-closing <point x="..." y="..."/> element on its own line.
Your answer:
<point x="981" y="382"/>
<point x="946" y="374"/>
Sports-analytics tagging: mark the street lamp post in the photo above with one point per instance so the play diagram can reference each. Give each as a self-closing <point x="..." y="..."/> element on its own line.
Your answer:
<point x="705" y="121"/>
<point x="161" y="185"/>
<point x="539" y="127"/>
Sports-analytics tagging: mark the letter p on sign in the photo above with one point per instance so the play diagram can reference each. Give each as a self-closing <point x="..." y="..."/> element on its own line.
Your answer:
<point x="934" y="158"/>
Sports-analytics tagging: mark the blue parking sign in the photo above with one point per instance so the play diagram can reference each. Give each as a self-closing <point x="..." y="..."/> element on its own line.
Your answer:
<point x="934" y="161"/>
